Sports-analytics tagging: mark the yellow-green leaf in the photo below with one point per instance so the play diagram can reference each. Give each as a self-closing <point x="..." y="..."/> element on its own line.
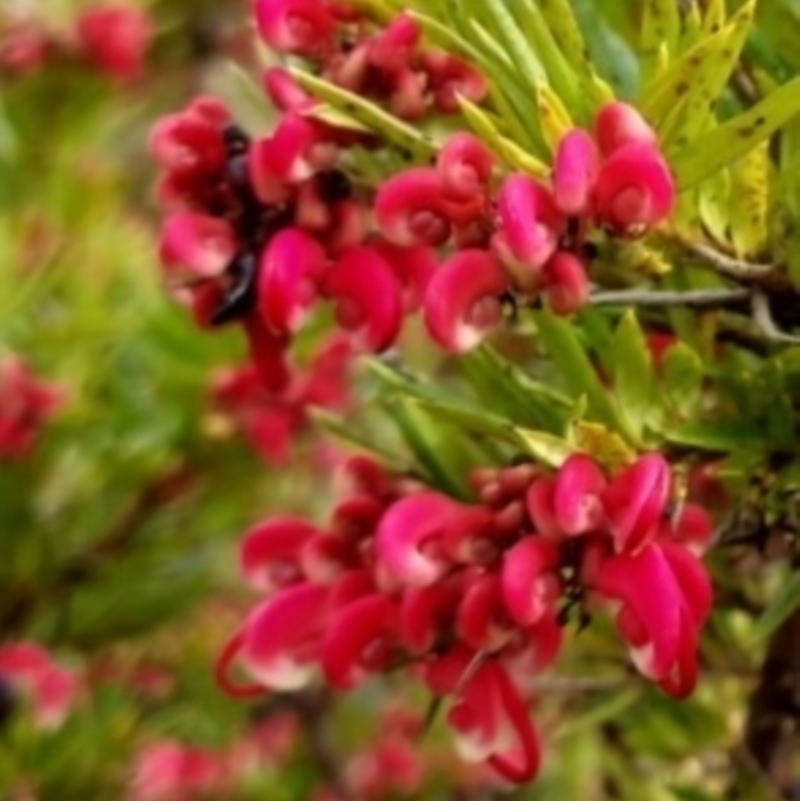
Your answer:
<point x="696" y="161"/>
<point x="748" y="202"/>
<point x="660" y="31"/>
<point x="551" y="450"/>
<point x="554" y="119"/>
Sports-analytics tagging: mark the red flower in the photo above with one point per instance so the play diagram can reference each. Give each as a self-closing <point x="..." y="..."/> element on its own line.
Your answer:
<point x="115" y="38"/>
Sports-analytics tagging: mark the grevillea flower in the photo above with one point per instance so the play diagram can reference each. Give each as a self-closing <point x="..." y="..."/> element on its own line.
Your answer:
<point x="528" y="580"/>
<point x="392" y="47"/>
<point x="565" y="283"/>
<point x="449" y="77"/>
<point x="634" y="190"/>
<point x="414" y="268"/>
<point x="291" y="265"/>
<point x="115" y="37"/>
<point x="465" y="167"/>
<point x="530" y="226"/>
<point x="359" y="638"/>
<point x="462" y="302"/>
<point x="304" y="27"/>
<point x="634" y="502"/>
<point x="369" y="297"/>
<point x="50" y="688"/>
<point x="489" y="719"/>
<point x="408" y="538"/>
<point x="195" y="245"/>
<point x="268" y="351"/>
<point x="279" y="645"/>
<point x="618" y="124"/>
<point x="26" y="403"/>
<point x="574" y="170"/>
<point x="168" y="770"/>
<point x="270" y="552"/>
<point x="666" y="596"/>
<point x="411" y="210"/>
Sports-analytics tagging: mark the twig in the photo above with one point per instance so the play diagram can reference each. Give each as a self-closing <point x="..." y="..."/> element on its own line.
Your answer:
<point x="654" y="298"/>
<point x="762" y="316"/>
<point x="727" y="265"/>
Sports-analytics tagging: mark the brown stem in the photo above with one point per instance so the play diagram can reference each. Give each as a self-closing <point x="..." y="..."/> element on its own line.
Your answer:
<point x="772" y="733"/>
<point x="313" y="708"/>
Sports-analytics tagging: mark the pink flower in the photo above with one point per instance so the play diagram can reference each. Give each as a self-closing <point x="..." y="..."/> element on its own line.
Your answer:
<point x="488" y="717"/>
<point x="530" y="227"/>
<point x="50" y="687"/>
<point x="462" y="301"/>
<point x="194" y="245"/>
<point x="666" y="597"/>
<point x="291" y="265"/>
<point x="408" y="539"/>
<point x="411" y="210"/>
<point x="634" y="190"/>
<point x="23" y="46"/>
<point x="449" y="77"/>
<point x="635" y="500"/>
<point x="618" y="124"/>
<point x="574" y="170"/>
<point x="566" y="285"/>
<point x="529" y="583"/>
<point x="115" y="37"/>
<point x="369" y="297"/>
<point x="168" y="770"/>
<point x="26" y="403"/>
<point x="465" y="167"/>
<point x="303" y="27"/>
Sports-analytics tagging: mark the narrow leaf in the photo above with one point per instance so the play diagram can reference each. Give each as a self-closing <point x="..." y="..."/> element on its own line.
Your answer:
<point x="784" y="603"/>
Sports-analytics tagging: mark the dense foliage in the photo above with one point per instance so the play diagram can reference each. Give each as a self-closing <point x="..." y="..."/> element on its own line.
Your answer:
<point x="399" y="400"/>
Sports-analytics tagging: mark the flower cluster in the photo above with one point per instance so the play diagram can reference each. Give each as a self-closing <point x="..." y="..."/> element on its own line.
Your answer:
<point x="271" y="421"/>
<point x="387" y="65"/>
<point x="111" y="37"/>
<point x="28" y="669"/>
<point x="25" y="405"/>
<point x="472" y="598"/>
<point x="526" y="238"/>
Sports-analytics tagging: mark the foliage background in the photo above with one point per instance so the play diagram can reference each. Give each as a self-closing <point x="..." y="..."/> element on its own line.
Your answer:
<point x="119" y="533"/>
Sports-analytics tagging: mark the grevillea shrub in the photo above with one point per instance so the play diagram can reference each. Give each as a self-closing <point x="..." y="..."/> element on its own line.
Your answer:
<point x="478" y="173"/>
<point x="399" y="400"/>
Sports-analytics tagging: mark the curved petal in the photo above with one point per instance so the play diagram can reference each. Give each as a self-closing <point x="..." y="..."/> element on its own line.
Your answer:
<point x="282" y="636"/>
<point x="461" y="303"/>
<point x="578" y="487"/>
<point x="465" y="167"/>
<point x="529" y="584"/>
<point x="530" y="224"/>
<point x="197" y="245"/>
<point x="270" y="550"/>
<point x="410" y="209"/>
<point x="369" y="297"/>
<point x="635" y="500"/>
<point x="618" y="124"/>
<point x="291" y="264"/>
<point x="634" y="190"/>
<point x="303" y="27"/>
<point x="424" y="611"/>
<point x="367" y="624"/>
<point x="540" y="502"/>
<point x="479" y="621"/>
<point x="566" y="283"/>
<point x="652" y="607"/>
<point x="574" y="169"/>
<point x="408" y="538"/>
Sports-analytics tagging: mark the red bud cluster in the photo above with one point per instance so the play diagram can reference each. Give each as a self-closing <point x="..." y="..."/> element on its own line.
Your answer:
<point x="472" y="598"/>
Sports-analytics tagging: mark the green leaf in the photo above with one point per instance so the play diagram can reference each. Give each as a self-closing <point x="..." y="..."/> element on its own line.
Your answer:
<point x="369" y="114"/>
<point x="660" y="28"/>
<point x="720" y="147"/>
<point x="570" y="359"/>
<point x="749" y="202"/>
<point x="522" y="55"/>
<point x="563" y="26"/>
<point x="551" y="450"/>
<point x="634" y="378"/>
<point x="506" y="150"/>
<point x="785" y="602"/>
<point x="682" y="376"/>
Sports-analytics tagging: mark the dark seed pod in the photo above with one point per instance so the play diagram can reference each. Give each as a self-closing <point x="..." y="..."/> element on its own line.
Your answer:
<point x="240" y="297"/>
